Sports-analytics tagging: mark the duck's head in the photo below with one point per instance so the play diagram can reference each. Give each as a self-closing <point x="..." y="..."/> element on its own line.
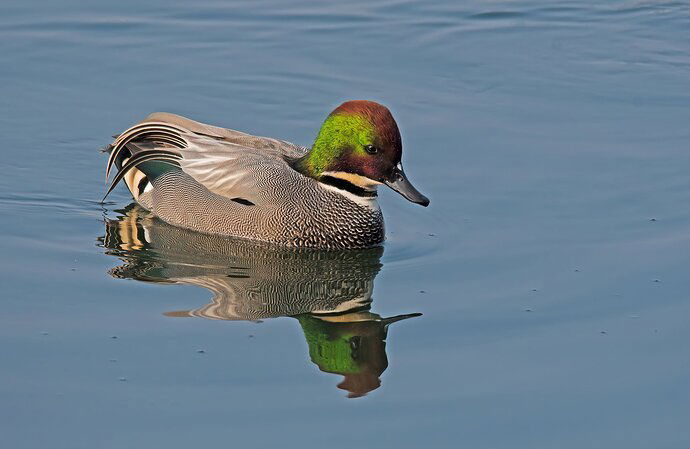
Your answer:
<point x="358" y="148"/>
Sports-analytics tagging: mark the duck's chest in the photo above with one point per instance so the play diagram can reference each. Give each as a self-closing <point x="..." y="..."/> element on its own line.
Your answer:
<point x="334" y="220"/>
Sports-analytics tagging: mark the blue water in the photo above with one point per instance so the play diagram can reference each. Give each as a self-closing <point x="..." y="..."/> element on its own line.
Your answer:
<point x="551" y="268"/>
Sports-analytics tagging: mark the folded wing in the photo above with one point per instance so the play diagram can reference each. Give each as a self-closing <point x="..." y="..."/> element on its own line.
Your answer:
<point x="227" y="162"/>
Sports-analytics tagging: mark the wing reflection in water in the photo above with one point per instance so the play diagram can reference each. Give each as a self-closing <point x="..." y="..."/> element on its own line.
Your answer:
<point x="328" y="292"/>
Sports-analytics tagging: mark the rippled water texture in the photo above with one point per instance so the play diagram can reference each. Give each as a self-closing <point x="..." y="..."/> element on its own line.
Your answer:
<point x="551" y="268"/>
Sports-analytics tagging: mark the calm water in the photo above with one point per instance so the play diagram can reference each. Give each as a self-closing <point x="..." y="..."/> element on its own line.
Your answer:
<point x="551" y="268"/>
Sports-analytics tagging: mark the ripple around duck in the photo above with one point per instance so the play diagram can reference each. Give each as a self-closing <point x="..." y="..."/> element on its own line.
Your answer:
<point x="416" y="248"/>
<point x="10" y="203"/>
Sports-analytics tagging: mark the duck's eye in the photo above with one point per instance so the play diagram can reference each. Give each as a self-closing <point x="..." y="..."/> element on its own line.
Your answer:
<point x="371" y="149"/>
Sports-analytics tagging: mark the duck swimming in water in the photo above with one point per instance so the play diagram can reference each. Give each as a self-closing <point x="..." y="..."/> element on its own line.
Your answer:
<point x="221" y="181"/>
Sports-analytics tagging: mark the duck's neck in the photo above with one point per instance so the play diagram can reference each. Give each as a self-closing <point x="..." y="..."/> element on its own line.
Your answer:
<point x="306" y="166"/>
<point x="345" y="183"/>
<point x="311" y="166"/>
<point x="337" y="133"/>
<point x="320" y="158"/>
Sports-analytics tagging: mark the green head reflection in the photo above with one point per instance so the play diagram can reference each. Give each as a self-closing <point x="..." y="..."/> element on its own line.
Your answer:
<point x="351" y="344"/>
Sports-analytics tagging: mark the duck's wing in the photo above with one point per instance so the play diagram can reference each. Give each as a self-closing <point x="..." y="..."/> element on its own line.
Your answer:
<point x="232" y="136"/>
<point x="227" y="162"/>
<point x="236" y="170"/>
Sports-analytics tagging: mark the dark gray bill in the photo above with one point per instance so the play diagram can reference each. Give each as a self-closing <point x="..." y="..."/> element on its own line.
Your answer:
<point x="400" y="184"/>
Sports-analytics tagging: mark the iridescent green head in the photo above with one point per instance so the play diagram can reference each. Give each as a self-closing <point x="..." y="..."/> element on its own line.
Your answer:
<point x="358" y="148"/>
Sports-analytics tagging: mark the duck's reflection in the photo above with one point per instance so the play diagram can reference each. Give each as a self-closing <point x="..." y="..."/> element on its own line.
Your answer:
<point x="328" y="292"/>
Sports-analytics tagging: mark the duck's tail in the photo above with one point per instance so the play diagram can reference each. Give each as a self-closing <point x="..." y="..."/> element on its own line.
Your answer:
<point x="142" y="153"/>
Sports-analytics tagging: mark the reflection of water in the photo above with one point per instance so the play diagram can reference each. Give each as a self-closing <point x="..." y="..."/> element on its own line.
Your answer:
<point x="328" y="292"/>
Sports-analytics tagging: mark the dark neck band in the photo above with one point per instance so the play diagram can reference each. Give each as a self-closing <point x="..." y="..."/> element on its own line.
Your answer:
<point x="348" y="186"/>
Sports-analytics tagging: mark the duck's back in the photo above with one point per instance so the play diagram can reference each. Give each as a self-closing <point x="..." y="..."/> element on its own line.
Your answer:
<point x="227" y="182"/>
